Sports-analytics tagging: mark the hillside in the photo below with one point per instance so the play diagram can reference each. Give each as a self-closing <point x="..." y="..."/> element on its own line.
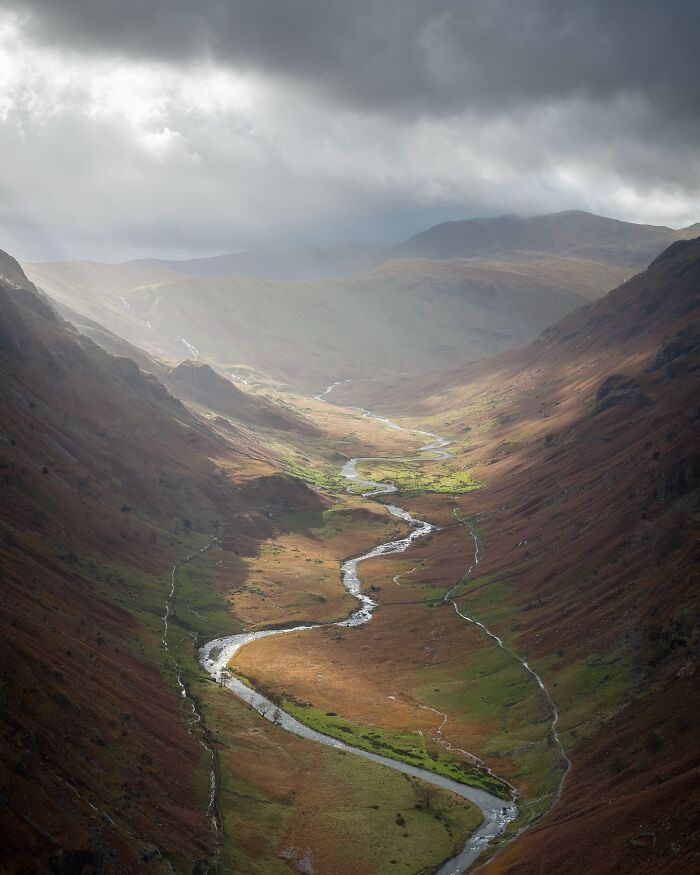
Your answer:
<point x="132" y="529"/>
<point x="586" y="440"/>
<point x="573" y="232"/>
<point x="106" y="480"/>
<point x="458" y="293"/>
<point x="200" y="384"/>
<point x="297" y="264"/>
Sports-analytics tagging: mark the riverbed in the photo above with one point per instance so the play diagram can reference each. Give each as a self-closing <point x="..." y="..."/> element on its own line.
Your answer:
<point x="216" y="655"/>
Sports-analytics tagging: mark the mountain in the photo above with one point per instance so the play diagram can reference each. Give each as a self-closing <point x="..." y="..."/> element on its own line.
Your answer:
<point x="404" y="316"/>
<point x="99" y="292"/>
<point x="106" y="482"/>
<point x="193" y="382"/>
<point x="111" y="342"/>
<point x="573" y="232"/>
<point x="200" y="384"/>
<point x="300" y="264"/>
<point x="459" y="292"/>
<point x="579" y="450"/>
<point x="587" y="442"/>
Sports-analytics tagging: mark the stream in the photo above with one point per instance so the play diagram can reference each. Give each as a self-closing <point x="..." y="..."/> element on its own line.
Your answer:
<point x="216" y="655"/>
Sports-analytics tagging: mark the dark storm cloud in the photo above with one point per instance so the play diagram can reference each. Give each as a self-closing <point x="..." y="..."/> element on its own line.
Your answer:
<point x="410" y="56"/>
<point x="185" y="127"/>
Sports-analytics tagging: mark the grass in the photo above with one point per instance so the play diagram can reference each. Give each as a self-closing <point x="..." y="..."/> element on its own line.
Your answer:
<point x="586" y="691"/>
<point x="322" y="476"/>
<point x="405" y="829"/>
<point x="199" y="613"/>
<point x="488" y="686"/>
<point x="417" y="478"/>
<point x="199" y="608"/>
<point x="259" y="763"/>
<point x="404" y="747"/>
<point x="590" y="690"/>
<point x="492" y="686"/>
<point x="341" y="517"/>
<point x="281" y="796"/>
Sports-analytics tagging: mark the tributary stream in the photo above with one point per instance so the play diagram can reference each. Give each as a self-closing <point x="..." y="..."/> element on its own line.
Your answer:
<point x="216" y="655"/>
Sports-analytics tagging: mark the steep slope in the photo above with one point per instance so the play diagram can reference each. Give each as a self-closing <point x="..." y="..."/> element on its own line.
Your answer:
<point x="589" y="521"/>
<point x="194" y="382"/>
<point x="96" y="476"/>
<point x="456" y="293"/>
<point x="106" y="481"/>
<point x="200" y="384"/>
<point x="100" y="292"/>
<point x="111" y="342"/>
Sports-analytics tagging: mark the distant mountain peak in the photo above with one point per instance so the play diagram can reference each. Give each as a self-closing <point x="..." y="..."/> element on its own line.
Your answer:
<point x="570" y="232"/>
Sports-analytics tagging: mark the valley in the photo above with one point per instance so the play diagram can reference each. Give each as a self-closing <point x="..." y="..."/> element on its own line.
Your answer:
<point x="349" y="438"/>
<point x="502" y="678"/>
<point x="456" y="292"/>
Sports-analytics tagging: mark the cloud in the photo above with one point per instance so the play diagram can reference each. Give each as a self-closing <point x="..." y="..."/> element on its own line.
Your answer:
<point x="178" y="128"/>
<point x="430" y="58"/>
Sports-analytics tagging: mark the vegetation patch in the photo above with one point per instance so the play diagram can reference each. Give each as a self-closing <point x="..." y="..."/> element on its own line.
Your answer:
<point x="415" y="478"/>
<point x="404" y="747"/>
<point x="322" y="476"/>
<point x="275" y="786"/>
<point x="272" y="783"/>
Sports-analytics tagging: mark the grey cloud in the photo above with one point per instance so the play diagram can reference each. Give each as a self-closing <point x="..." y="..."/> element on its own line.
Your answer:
<point x="368" y="120"/>
<point x="411" y="56"/>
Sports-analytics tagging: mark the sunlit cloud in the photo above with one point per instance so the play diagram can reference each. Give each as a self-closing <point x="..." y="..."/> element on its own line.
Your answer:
<point x="111" y="155"/>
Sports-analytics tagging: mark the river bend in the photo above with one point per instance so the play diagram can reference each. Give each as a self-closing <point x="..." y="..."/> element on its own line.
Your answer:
<point x="216" y="655"/>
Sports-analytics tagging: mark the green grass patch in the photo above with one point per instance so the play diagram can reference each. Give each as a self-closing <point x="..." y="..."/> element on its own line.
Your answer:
<point x="416" y="478"/>
<point x="589" y="691"/>
<point x="406" y="825"/>
<point x="586" y="691"/>
<point x="328" y="523"/>
<point x="404" y="747"/>
<point x="487" y="685"/>
<point x="199" y="608"/>
<point x="401" y="819"/>
<point x="320" y="475"/>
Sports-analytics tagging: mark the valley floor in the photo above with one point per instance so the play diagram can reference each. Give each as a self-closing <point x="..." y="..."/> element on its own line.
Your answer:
<point x="550" y="617"/>
<point x="417" y="681"/>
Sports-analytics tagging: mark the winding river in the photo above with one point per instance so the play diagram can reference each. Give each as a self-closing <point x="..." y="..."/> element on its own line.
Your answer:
<point x="216" y="655"/>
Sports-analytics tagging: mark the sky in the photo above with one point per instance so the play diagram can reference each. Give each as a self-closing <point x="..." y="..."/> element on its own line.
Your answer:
<point x="176" y="128"/>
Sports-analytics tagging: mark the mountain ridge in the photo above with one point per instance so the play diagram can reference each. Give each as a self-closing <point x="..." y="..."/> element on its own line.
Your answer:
<point x="410" y="314"/>
<point x="517" y="232"/>
<point x="567" y="231"/>
<point x="586" y="440"/>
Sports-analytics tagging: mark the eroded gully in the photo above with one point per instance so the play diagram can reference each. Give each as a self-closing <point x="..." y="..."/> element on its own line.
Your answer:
<point x="216" y="655"/>
<point x="196" y="716"/>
